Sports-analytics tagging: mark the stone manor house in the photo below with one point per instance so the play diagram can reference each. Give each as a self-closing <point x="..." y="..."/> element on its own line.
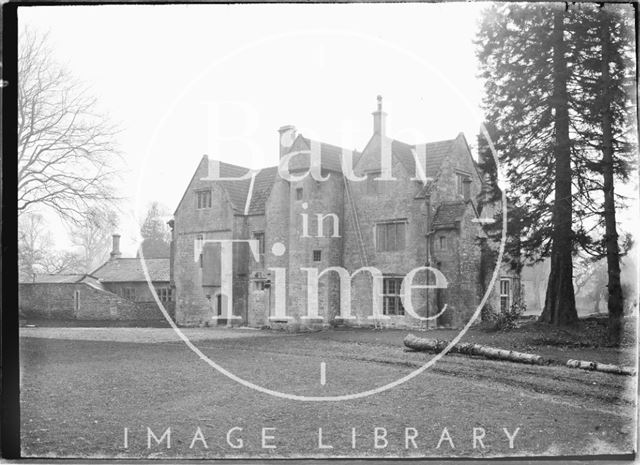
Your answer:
<point x="394" y="226"/>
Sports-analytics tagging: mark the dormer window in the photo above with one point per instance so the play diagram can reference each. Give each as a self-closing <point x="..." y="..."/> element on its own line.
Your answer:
<point x="203" y="199"/>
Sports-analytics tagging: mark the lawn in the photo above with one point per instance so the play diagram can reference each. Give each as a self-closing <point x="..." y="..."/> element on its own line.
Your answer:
<point x="78" y="395"/>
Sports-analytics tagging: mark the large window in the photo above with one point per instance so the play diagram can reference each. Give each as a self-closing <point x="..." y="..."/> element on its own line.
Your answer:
<point x="129" y="293"/>
<point x="391" y="302"/>
<point x="203" y="199"/>
<point x="505" y="294"/>
<point x="390" y="236"/>
<point x="164" y="294"/>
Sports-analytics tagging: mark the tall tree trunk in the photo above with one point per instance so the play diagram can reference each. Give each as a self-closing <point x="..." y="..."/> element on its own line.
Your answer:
<point x="560" y="305"/>
<point x="615" y="300"/>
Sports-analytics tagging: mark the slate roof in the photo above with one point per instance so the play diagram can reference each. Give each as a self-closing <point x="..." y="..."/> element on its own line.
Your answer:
<point x="330" y="157"/>
<point x="448" y="213"/>
<point x="57" y="278"/>
<point x="66" y="279"/>
<point x="261" y="189"/>
<point x="237" y="190"/>
<point x="435" y="153"/>
<point x="130" y="270"/>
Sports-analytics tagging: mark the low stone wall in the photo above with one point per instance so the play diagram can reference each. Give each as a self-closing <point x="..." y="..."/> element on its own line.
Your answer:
<point x="81" y="301"/>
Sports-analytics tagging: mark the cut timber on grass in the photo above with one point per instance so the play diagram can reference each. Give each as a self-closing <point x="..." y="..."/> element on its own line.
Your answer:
<point x="420" y="344"/>
<point x="604" y="367"/>
<point x="430" y="345"/>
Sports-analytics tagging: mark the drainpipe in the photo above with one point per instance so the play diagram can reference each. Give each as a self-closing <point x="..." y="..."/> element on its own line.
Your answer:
<point x="428" y="255"/>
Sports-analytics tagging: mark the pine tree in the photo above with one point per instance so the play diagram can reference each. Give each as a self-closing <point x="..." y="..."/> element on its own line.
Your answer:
<point x="524" y="61"/>
<point x="604" y="70"/>
<point x="557" y="92"/>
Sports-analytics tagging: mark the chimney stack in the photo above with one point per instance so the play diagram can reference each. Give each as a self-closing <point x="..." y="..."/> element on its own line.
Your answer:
<point x="379" y="117"/>
<point x="115" y="251"/>
<point x="287" y="136"/>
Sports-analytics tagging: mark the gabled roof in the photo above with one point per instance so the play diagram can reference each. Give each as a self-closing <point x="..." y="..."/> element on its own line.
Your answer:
<point x="130" y="270"/>
<point x="435" y="152"/>
<point x="448" y="214"/>
<point x="261" y="189"/>
<point x="237" y="191"/>
<point x="330" y="155"/>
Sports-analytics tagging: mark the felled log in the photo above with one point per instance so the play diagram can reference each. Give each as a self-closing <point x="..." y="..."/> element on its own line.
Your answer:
<point x="604" y="367"/>
<point x="429" y="345"/>
<point x="436" y="346"/>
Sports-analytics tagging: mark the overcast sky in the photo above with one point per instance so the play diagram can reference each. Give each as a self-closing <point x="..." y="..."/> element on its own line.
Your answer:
<point x="185" y="80"/>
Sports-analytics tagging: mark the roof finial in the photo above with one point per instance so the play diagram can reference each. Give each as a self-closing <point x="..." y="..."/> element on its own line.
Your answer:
<point x="379" y="102"/>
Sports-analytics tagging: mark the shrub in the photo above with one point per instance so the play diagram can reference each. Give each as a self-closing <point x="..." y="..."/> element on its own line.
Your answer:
<point x="508" y="320"/>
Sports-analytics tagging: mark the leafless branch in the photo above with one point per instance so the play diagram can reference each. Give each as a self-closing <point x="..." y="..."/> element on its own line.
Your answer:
<point x="67" y="159"/>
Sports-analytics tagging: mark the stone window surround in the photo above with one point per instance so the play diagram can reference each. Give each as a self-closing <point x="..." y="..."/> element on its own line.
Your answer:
<point x="203" y="199"/>
<point x="129" y="293"/>
<point x="392" y="297"/>
<point x="461" y="175"/>
<point x="165" y="294"/>
<point x="405" y="221"/>
<point x="505" y="294"/>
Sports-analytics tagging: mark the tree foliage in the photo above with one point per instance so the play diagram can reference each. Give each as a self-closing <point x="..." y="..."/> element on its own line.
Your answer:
<point x="155" y="233"/>
<point x="543" y="70"/>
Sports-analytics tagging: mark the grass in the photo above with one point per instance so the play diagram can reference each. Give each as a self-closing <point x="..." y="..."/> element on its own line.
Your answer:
<point x="77" y="397"/>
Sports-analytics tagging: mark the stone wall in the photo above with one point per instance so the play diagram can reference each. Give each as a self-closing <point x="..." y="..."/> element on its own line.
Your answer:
<point x="394" y="200"/>
<point x="141" y="289"/>
<point x="82" y="301"/>
<point x="194" y="303"/>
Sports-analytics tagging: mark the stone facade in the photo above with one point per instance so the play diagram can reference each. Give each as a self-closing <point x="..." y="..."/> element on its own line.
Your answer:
<point x="394" y="226"/>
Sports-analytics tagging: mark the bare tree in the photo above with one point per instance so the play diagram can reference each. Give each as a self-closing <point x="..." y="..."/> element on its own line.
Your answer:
<point x="35" y="254"/>
<point x="93" y="236"/>
<point x="32" y="241"/>
<point x="66" y="152"/>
